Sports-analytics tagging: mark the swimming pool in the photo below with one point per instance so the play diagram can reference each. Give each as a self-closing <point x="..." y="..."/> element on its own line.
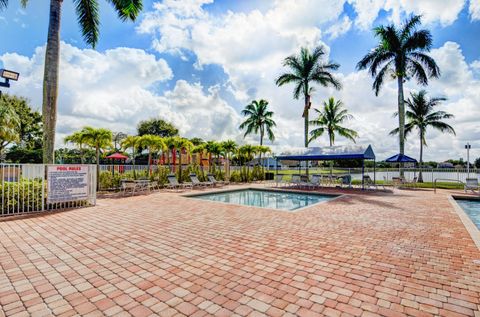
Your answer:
<point x="274" y="199"/>
<point x="471" y="208"/>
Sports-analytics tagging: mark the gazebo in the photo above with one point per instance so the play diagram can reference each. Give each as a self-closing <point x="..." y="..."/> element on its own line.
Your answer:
<point x="334" y="153"/>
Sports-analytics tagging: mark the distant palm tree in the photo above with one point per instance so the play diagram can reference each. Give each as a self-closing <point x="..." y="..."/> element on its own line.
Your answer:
<point x="308" y="68"/>
<point x="421" y="115"/>
<point x="117" y="138"/>
<point x="329" y="120"/>
<point x="401" y="54"/>
<point x="153" y="143"/>
<point x="89" y="19"/>
<point x="181" y="145"/>
<point x="200" y="150"/>
<point x="229" y="148"/>
<point x="131" y="142"/>
<point x="259" y="120"/>
<point x="213" y="149"/>
<point x="99" y="139"/>
<point x="77" y="138"/>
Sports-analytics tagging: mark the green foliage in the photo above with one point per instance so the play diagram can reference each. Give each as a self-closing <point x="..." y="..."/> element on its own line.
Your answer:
<point x="247" y="175"/>
<point x="157" y="126"/>
<point x="21" y="196"/>
<point x="110" y="181"/>
<point x="19" y="154"/>
<point x="259" y="120"/>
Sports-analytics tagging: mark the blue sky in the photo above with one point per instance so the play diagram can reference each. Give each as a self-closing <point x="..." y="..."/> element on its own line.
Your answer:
<point x="224" y="56"/>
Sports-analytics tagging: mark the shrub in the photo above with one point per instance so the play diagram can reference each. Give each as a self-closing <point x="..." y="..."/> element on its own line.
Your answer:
<point x="22" y="196"/>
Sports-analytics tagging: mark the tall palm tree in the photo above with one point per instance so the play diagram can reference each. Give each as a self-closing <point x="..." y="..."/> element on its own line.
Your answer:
<point x="153" y="143"/>
<point x="401" y="54"/>
<point x="77" y="138"/>
<point x="213" y="148"/>
<point x="200" y="151"/>
<point x="306" y="69"/>
<point x="89" y="20"/>
<point x="171" y="143"/>
<point x="229" y="148"/>
<point x="181" y="145"/>
<point x="330" y="120"/>
<point x="131" y="141"/>
<point x="99" y="139"/>
<point x="421" y="114"/>
<point x="259" y="120"/>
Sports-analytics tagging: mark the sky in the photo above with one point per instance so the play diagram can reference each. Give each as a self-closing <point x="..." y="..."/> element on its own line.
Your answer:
<point x="197" y="63"/>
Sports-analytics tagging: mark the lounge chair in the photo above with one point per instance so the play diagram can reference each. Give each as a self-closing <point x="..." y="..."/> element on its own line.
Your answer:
<point x="369" y="183"/>
<point x="346" y="181"/>
<point x="197" y="183"/>
<point x="472" y="185"/>
<point x="174" y="184"/>
<point x="279" y="179"/>
<point x="297" y="181"/>
<point x="315" y="182"/>
<point x="214" y="181"/>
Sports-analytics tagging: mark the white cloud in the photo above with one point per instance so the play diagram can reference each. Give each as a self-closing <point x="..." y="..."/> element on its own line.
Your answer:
<point x="474" y="10"/>
<point x="112" y="90"/>
<point x="340" y="28"/>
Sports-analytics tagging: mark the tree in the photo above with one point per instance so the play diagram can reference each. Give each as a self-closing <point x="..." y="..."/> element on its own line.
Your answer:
<point x="9" y="126"/>
<point x="117" y="139"/>
<point x="308" y="68"/>
<point x="153" y="143"/>
<point x="229" y="147"/>
<point x="99" y="139"/>
<point x="182" y="144"/>
<point x="421" y="114"/>
<point x="401" y="53"/>
<point x="89" y="20"/>
<point x="157" y="126"/>
<point x="259" y="120"/>
<point x="77" y="138"/>
<point x="247" y="152"/>
<point x="213" y="149"/>
<point x="197" y="141"/>
<point x="330" y="120"/>
<point x="200" y="149"/>
<point x="131" y="142"/>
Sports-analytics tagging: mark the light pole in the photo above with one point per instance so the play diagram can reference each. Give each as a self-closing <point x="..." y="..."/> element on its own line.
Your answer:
<point x="468" y="147"/>
<point x="7" y="75"/>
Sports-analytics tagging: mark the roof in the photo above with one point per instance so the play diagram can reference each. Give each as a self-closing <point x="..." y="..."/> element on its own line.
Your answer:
<point x="346" y="152"/>
<point x="118" y="156"/>
<point x="400" y="158"/>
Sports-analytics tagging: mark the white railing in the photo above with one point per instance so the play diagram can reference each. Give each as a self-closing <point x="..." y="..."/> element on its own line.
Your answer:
<point x="27" y="188"/>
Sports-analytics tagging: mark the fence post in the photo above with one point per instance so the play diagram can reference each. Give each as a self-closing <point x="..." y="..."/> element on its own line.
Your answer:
<point x="44" y="176"/>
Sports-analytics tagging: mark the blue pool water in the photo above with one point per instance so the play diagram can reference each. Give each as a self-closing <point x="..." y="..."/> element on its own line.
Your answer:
<point x="472" y="209"/>
<point x="287" y="201"/>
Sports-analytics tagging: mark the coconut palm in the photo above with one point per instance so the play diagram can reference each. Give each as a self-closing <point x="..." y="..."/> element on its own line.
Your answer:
<point x="131" y="142"/>
<point x="229" y="148"/>
<point x="259" y="120"/>
<point x="401" y="54"/>
<point x="171" y="143"/>
<point x="89" y="19"/>
<point x="330" y="120"/>
<point x="77" y="138"/>
<point x="153" y="143"/>
<point x="213" y="148"/>
<point x="200" y="151"/>
<point x="99" y="139"/>
<point x="306" y="69"/>
<point x="421" y="114"/>
<point x="9" y="125"/>
<point x="182" y="144"/>
<point x="247" y="152"/>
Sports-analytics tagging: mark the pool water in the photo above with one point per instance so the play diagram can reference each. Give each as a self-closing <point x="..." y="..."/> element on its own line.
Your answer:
<point x="286" y="201"/>
<point x="472" y="209"/>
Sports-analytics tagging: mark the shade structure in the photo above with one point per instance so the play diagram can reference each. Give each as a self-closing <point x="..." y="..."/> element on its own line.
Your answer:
<point x="400" y="158"/>
<point x="117" y="156"/>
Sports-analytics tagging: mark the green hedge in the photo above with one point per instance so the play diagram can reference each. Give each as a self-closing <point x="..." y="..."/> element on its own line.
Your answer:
<point x="22" y="196"/>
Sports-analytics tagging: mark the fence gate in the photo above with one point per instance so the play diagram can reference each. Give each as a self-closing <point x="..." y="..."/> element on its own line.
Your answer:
<point x="26" y="188"/>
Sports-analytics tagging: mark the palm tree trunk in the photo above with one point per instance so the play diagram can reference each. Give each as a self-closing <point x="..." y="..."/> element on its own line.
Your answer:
<point x="330" y="134"/>
<point x="133" y="163"/>
<point x="401" y="119"/>
<point x="50" y="82"/>
<point x="420" y="176"/>
<point x="149" y="162"/>
<point x="180" y="165"/>
<point x="305" y="115"/>
<point x="97" y="154"/>
<point x="174" y="159"/>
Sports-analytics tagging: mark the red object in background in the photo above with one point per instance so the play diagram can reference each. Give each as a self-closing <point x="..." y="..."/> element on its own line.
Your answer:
<point x="117" y="156"/>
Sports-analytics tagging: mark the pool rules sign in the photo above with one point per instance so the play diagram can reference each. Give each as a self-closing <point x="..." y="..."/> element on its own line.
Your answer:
<point x="67" y="183"/>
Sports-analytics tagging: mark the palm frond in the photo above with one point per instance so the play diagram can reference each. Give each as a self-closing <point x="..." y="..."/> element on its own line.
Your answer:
<point x="88" y="18"/>
<point x="378" y="82"/>
<point x="428" y="62"/>
<point x="410" y="25"/>
<point x="127" y="9"/>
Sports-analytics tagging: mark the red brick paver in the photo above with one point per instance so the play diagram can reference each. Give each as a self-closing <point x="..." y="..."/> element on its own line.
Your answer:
<point x="406" y="254"/>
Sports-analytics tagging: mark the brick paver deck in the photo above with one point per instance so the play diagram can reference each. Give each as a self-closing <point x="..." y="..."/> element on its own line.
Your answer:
<point x="406" y="254"/>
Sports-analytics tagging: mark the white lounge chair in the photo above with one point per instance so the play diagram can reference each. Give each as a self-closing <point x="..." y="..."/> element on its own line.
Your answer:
<point x="315" y="182"/>
<point x="214" y="181"/>
<point x="279" y="179"/>
<point x="174" y="184"/>
<point x="197" y="183"/>
<point x="472" y="185"/>
<point x="369" y="183"/>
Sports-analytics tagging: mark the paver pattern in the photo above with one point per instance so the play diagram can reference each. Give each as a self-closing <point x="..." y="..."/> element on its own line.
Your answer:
<point x="401" y="254"/>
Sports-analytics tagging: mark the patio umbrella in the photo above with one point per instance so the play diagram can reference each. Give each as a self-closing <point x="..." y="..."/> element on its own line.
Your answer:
<point x="116" y="156"/>
<point x="400" y="158"/>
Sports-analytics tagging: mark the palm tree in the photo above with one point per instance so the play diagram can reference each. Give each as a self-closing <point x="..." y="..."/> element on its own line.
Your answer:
<point x="330" y="119"/>
<point x="9" y="125"/>
<point x="89" y="20"/>
<point x="229" y="148"/>
<point x="117" y="138"/>
<point x="200" y="150"/>
<point x="213" y="148"/>
<point x="131" y="141"/>
<point x="259" y="120"/>
<point x="421" y="114"/>
<point x="153" y="143"/>
<point x="99" y="139"/>
<point x="171" y="142"/>
<point x="181" y="145"/>
<point x="401" y="54"/>
<point x="77" y="138"/>
<point x="308" y="68"/>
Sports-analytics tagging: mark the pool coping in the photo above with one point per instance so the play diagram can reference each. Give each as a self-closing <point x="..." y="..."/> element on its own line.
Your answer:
<point x="467" y="222"/>
<point x="282" y="190"/>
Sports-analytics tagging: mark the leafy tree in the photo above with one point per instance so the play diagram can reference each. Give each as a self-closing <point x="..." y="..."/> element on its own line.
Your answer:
<point x="131" y="142"/>
<point x="213" y="149"/>
<point x="197" y="141"/>
<point x="89" y="20"/>
<point x="21" y="154"/>
<point x="99" y="139"/>
<point x="9" y="126"/>
<point x="421" y="114"/>
<point x="401" y="53"/>
<point x="259" y="120"/>
<point x="201" y="151"/>
<point x="117" y="139"/>
<point x="477" y="162"/>
<point x="157" y="126"/>
<point x="77" y="138"/>
<point x="182" y="144"/>
<point x="308" y="68"/>
<point x="229" y="147"/>
<point x="330" y="120"/>
<point x="153" y="143"/>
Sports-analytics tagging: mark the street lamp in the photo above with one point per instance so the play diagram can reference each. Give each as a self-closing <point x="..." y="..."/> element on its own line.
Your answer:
<point x="7" y="75"/>
<point x="468" y="147"/>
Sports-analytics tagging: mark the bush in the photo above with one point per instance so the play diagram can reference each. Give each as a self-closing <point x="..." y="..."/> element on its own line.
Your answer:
<point x="22" y="196"/>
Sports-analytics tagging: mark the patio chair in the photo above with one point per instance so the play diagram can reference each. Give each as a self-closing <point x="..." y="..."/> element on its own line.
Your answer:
<point x="126" y="185"/>
<point x="297" y="181"/>
<point x="369" y="183"/>
<point x="174" y="184"/>
<point x="279" y="179"/>
<point x="346" y="181"/>
<point x="213" y="180"/>
<point x="472" y="185"/>
<point x="315" y="182"/>
<point x="197" y="183"/>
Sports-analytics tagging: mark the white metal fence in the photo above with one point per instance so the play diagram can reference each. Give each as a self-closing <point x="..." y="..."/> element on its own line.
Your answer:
<point x="26" y="188"/>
